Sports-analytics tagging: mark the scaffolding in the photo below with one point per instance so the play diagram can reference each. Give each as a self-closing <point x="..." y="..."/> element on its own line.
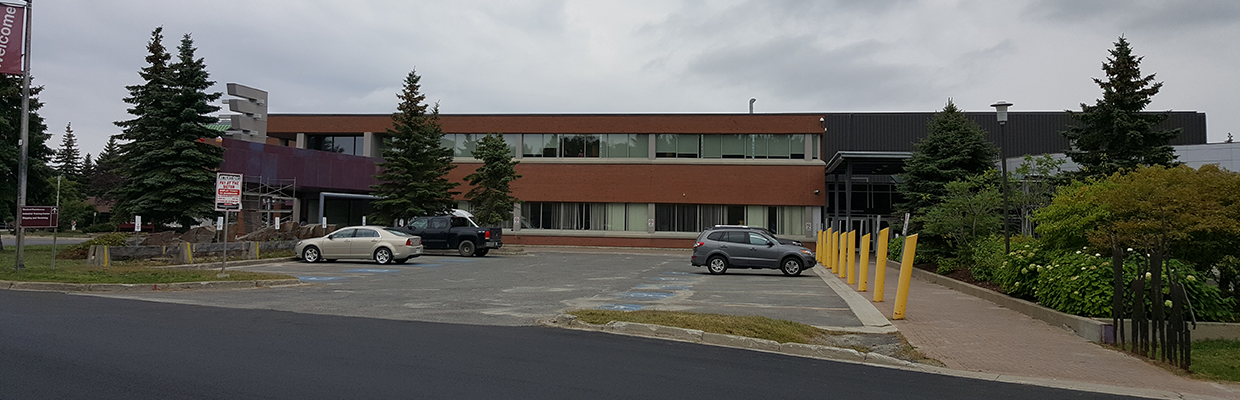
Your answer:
<point x="265" y="200"/>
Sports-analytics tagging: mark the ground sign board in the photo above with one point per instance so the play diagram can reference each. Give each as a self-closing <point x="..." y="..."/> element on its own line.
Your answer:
<point x="227" y="192"/>
<point x="39" y="217"/>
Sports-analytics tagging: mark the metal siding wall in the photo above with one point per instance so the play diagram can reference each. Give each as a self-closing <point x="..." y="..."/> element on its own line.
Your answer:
<point x="1028" y="132"/>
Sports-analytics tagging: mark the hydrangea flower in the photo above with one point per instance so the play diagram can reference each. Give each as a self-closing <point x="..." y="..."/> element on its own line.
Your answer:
<point x="1149" y="276"/>
<point x="1168" y="303"/>
<point x="1191" y="278"/>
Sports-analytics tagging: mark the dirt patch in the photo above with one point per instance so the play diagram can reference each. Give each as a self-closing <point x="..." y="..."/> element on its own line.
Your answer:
<point x="962" y="275"/>
<point x="888" y="344"/>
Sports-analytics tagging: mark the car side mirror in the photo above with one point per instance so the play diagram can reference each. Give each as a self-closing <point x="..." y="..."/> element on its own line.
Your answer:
<point x="770" y="244"/>
<point x="330" y="237"/>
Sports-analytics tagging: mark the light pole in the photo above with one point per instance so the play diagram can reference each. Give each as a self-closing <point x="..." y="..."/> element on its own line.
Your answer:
<point x="1001" y="115"/>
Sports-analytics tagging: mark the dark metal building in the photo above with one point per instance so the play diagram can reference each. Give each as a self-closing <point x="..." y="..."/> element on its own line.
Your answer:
<point x="864" y="150"/>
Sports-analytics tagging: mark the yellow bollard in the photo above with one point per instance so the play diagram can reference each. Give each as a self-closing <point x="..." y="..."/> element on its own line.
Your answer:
<point x="841" y="250"/>
<point x="830" y="256"/>
<point x="821" y="247"/>
<point x="863" y="267"/>
<point x="851" y="273"/>
<point x="880" y="265"/>
<point x="906" y="276"/>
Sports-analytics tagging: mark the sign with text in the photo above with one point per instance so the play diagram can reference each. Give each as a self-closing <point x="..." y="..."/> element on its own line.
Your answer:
<point x="227" y="192"/>
<point x="12" y="35"/>
<point x="39" y="217"/>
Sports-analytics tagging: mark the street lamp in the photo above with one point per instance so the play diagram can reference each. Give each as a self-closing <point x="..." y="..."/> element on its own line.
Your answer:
<point x="1001" y="115"/>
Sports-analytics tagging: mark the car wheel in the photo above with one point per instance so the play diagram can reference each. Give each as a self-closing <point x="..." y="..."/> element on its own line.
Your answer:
<point x="466" y="248"/>
<point x="383" y="255"/>
<point x="791" y="267"/>
<point x="716" y="265"/>
<point x="311" y="254"/>
<point x="482" y="252"/>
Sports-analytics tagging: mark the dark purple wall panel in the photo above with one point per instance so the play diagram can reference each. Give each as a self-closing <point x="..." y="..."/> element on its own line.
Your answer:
<point x="314" y="170"/>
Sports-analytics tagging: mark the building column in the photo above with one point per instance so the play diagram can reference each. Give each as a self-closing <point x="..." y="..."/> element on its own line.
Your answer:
<point x="301" y="140"/>
<point x="370" y="147"/>
<point x="516" y="216"/>
<point x="650" y="206"/>
<point x="650" y="154"/>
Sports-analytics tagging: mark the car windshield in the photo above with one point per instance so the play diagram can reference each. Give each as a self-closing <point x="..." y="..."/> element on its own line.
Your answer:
<point x="397" y="233"/>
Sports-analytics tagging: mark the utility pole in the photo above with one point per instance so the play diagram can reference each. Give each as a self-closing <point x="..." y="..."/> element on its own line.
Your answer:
<point x="24" y="143"/>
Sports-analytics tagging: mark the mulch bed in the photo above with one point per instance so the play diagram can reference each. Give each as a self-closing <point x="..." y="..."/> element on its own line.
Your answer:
<point x="960" y="275"/>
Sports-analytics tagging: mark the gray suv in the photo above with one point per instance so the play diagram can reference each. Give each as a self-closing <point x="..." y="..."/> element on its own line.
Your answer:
<point x="720" y="248"/>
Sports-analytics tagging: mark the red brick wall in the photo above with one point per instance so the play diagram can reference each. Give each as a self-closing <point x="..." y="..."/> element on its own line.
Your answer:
<point x="782" y="185"/>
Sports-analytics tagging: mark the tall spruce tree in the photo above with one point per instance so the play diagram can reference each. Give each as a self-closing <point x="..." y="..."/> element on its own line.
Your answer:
<point x="68" y="157"/>
<point x="491" y="195"/>
<point x="104" y="176"/>
<point x="88" y="168"/>
<point x="1114" y="134"/>
<point x="169" y="174"/>
<point x="415" y="165"/>
<point x="38" y="192"/>
<point x="954" y="149"/>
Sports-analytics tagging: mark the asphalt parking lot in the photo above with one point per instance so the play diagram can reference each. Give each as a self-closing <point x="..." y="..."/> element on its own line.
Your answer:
<point x="519" y="289"/>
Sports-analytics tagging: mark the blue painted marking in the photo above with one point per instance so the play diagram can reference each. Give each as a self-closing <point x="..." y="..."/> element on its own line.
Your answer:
<point x="319" y="278"/>
<point x="661" y="278"/>
<point x="374" y="270"/>
<point x="645" y="295"/>
<point x="464" y="260"/>
<point x="678" y="273"/>
<point x="425" y="265"/>
<point x="620" y="307"/>
<point x="663" y="287"/>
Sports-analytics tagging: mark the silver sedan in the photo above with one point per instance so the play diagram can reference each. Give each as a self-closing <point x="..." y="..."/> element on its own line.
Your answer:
<point x="384" y="245"/>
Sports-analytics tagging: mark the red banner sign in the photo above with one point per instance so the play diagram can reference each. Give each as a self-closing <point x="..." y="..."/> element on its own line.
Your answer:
<point x="39" y="217"/>
<point x="12" y="35"/>
<point x="227" y="192"/>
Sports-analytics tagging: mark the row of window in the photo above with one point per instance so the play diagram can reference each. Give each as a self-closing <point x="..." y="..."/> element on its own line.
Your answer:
<point x="550" y="145"/>
<point x="783" y="220"/>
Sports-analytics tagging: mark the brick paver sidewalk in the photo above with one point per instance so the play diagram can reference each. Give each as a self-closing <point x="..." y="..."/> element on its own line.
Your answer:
<point x="971" y="334"/>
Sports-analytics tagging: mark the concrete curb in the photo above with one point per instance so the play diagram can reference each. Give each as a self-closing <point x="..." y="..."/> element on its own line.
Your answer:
<point x="872" y="320"/>
<point x="568" y="321"/>
<point x="740" y="342"/>
<point x="134" y="287"/>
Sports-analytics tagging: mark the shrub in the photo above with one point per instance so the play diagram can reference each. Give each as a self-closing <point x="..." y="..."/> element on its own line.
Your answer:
<point x="80" y="250"/>
<point x="100" y="227"/>
<point x="1079" y="283"/>
<point x="986" y="258"/>
<point x="1017" y="274"/>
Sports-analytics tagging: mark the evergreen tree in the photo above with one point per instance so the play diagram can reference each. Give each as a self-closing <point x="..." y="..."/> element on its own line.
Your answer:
<point x="38" y="192"/>
<point x="415" y="166"/>
<point x="491" y="195"/>
<point x="169" y="174"/>
<point x="954" y="149"/>
<point x="88" y="168"/>
<point x="104" y="176"/>
<point x="68" y="162"/>
<point x="1114" y="135"/>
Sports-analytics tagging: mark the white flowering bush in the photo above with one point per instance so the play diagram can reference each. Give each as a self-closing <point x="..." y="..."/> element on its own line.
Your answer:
<point x="1017" y="273"/>
<point x="1077" y="282"/>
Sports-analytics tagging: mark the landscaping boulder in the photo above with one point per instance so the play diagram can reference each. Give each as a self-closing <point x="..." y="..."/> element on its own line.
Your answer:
<point x="160" y="238"/>
<point x="202" y="234"/>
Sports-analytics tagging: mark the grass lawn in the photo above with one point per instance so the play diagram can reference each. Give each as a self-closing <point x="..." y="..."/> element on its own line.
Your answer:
<point x="749" y="326"/>
<point x="1217" y="359"/>
<point x="38" y="260"/>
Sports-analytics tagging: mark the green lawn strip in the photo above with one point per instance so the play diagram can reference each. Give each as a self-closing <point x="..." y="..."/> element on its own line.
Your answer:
<point x="38" y="269"/>
<point x="1217" y="359"/>
<point x="748" y="326"/>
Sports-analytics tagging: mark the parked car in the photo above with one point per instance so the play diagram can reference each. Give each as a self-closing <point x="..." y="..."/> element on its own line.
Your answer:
<point x="384" y="245"/>
<point x="768" y="232"/>
<point x="456" y="231"/>
<point x="724" y="247"/>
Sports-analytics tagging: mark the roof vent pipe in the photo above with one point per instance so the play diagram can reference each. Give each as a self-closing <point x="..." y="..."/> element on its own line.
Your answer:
<point x="751" y="100"/>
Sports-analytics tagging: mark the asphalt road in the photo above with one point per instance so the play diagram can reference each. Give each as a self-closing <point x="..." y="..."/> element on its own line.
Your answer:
<point x="517" y="290"/>
<point x="62" y="346"/>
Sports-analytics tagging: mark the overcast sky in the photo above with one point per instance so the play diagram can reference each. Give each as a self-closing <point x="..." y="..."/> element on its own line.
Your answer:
<point x="641" y="56"/>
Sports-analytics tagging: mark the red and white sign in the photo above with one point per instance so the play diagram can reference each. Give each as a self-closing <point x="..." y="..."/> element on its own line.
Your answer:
<point x="39" y="217"/>
<point x="12" y="35"/>
<point x="227" y="192"/>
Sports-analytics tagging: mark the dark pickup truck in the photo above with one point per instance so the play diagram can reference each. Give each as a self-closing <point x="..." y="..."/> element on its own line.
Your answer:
<point x="455" y="232"/>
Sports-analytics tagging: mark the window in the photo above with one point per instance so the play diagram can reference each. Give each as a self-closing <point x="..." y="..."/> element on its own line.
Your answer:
<point x="351" y="145"/>
<point x="678" y="146"/>
<point x="620" y="145"/>
<point x="757" y="239"/>
<point x="366" y="233"/>
<point x="419" y="223"/>
<point x="580" y="145"/>
<point x="347" y="233"/>
<point x="438" y="223"/>
<point x="796" y="147"/>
